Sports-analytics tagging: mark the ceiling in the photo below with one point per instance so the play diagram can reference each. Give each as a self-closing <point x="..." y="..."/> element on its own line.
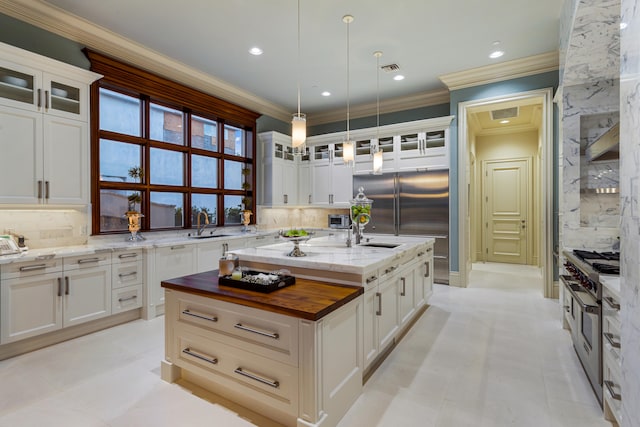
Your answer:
<point x="426" y="39"/>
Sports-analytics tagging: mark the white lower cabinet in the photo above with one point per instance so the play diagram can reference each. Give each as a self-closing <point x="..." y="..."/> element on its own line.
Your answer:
<point x="30" y="306"/>
<point x="406" y="294"/>
<point x="294" y="371"/>
<point x="611" y="357"/>
<point x="46" y="295"/>
<point x="170" y="262"/>
<point x="87" y="294"/>
<point x="127" y="278"/>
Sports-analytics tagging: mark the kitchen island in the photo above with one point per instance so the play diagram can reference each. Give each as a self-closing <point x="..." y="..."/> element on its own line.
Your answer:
<point x="299" y="354"/>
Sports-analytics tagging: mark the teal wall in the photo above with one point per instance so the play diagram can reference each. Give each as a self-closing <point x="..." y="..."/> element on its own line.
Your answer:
<point x="505" y="88"/>
<point x="34" y="39"/>
<point x="267" y="123"/>
<point x="385" y="119"/>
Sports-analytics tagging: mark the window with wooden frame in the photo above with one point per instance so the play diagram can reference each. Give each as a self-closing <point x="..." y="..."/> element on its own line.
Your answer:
<point x="167" y="151"/>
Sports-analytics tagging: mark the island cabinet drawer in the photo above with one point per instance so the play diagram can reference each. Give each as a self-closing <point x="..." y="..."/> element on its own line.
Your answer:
<point x="259" y="377"/>
<point x="258" y="331"/>
<point x="128" y="274"/>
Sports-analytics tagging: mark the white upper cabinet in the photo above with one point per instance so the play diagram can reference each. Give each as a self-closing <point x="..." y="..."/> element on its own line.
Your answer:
<point x="331" y="178"/>
<point x="44" y="132"/>
<point x="280" y="177"/>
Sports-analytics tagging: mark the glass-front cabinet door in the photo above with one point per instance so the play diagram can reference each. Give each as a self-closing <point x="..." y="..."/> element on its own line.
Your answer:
<point x="19" y="86"/>
<point x="64" y="97"/>
<point x="31" y="89"/>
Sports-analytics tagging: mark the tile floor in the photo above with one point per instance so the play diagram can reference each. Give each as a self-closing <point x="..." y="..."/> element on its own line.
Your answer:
<point x="493" y="355"/>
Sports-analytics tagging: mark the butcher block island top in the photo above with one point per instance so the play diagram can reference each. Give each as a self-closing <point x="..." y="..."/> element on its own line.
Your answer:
<point x="306" y="299"/>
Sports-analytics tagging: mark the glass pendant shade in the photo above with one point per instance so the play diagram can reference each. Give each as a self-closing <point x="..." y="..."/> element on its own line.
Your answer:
<point x="298" y="130"/>
<point x="348" y="152"/>
<point x="377" y="162"/>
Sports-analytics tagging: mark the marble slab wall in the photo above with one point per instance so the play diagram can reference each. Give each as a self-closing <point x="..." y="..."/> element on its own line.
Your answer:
<point x="47" y="228"/>
<point x="580" y="103"/>
<point x="630" y="195"/>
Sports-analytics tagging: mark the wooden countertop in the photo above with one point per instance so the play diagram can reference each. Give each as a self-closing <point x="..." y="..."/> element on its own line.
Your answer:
<point x="307" y="299"/>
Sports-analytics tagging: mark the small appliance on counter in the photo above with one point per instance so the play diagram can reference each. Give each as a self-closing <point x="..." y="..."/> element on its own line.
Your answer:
<point x="339" y="221"/>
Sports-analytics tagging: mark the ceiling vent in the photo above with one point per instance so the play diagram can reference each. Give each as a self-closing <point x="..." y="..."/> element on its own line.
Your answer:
<point x="390" y="68"/>
<point x="505" y="113"/>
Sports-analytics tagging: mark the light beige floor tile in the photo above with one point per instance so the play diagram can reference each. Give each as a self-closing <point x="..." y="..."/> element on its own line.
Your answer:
<point x="491" y="355"/>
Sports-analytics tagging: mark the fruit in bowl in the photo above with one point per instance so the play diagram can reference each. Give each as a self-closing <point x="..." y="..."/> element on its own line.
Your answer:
<point x="295" y="233"/>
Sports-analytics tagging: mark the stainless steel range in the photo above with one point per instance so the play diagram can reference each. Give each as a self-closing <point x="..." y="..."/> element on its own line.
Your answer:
<point x="583" y="306"/>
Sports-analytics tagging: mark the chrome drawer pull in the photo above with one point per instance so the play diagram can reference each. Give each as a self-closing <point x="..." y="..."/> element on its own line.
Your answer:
<point x="213" y="361"/>
<point x="123" y="256"/>
<point x="272" y="383"/>
<point x="611" y="338"/>
<point x="379" y="312"/>
<point x="273" y="335"/>
<point x="390" y="269"/>
<point x="33" y="267"/>
<point x="88" y="260"/>
<point x="200" y="316"/>
<point x="173" y="248"/>
<point x="426" y="269"/>
<point x="133" y="273"/>
<point x="612" y="303"/>
<point x="610" y="385"/>
<point x="127" y="299"/>
<point x="66" y="285"/>
<point x="59" y="287"/>
<point x="420" y="254"/>
<point x="371" y="279"/>
<point x="404" y="290"/>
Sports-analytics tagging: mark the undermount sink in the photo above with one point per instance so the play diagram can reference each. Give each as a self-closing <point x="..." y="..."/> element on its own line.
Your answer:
<point x="210" y="236"/>
<point x="381" y="245"/>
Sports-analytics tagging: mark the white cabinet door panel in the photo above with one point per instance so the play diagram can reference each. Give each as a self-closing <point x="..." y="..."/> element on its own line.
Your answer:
<point x="21" y="154"/>
<point x="87" y="295"/>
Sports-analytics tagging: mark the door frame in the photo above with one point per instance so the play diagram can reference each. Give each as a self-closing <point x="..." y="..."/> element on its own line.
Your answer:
<point x="529" y="208"/>
<point x="545" y="97"/>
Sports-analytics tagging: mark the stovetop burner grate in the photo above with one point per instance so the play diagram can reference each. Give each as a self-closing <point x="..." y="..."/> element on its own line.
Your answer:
<point x="592" y="255"/>
<point x="606" y="268"/>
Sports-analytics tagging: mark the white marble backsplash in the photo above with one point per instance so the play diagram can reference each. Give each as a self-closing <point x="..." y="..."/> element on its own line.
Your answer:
<point x="308" y="217"/>
<point x="580" y="104"/>
<point x="630" y="199"/>
<point x="46" y="228"/>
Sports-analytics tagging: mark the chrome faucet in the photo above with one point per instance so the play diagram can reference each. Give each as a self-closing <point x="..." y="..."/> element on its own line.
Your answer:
<point x="357" y="231"/>
<point x="203" y="226"/>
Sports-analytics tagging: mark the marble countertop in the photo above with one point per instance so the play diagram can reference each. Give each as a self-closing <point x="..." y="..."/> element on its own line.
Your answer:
<point x="331" y="253"/>
<point x="111" y="244"/>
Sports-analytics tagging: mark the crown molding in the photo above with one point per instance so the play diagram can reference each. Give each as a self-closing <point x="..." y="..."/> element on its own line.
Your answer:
<point x="508" y="70"/>
<point x="392" y="105"/>
<point x="57" y="21"/>
<point x="507" y="130"/>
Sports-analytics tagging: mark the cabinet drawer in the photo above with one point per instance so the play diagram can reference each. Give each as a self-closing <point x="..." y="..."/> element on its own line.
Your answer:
<point x="87" y="261"/>
<point x="31" y="268"/>
<point x="254" y="375"/>
<point x="120" y="257"/>
<point x="128" y="274"/>
<point x="611" y="382"/>
<point x="273" y="335"/>
<point x="124" y="299"/>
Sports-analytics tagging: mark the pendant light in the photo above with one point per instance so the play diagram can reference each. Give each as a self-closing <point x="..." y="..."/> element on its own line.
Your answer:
<point x="299" y="122"/>
<point x="348" y="147"/>
<point x="377" y="154"/>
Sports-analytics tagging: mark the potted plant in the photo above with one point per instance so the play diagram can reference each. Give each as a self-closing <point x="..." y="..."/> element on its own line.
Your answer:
<point x="135" y="198"/>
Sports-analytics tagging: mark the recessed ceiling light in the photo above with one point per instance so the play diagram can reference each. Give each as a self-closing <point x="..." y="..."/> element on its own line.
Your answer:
<point x="496" y="54"/>
<point x="398" y="77"/>
<point x="504" y="122"/>
<point x="326" y="93"/>
<point x="255" y="51"/>
<point x="623" y="25"/>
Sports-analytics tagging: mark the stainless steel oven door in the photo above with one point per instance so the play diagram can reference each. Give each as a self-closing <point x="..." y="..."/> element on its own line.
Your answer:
<point x="570" y="306"/>
<point x="588" y="344"/>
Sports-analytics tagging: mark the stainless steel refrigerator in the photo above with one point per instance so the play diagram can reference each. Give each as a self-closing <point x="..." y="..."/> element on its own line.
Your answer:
<point x="411" y="203"/>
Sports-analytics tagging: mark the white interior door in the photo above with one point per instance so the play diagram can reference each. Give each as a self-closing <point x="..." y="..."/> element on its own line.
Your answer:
<point x="506" y="192"/>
